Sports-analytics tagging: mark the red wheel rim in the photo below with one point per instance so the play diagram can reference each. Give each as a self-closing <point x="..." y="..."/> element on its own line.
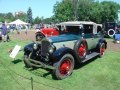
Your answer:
<point x="102" y="49"/>
<point x="82" y="50"/>
<point x="65" y="67"/>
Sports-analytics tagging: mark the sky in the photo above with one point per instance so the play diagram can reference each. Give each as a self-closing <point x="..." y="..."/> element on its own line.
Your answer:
<point x="39" y="7"/>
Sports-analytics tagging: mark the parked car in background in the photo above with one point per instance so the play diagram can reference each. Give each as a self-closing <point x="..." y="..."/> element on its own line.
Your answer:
<point x="46" y="32"/>
<point x="77" y="42"/>
<point x="110" y="28"/>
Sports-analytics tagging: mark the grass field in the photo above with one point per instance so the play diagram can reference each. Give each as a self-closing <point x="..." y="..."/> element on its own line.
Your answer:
<point x="97" y="74"/>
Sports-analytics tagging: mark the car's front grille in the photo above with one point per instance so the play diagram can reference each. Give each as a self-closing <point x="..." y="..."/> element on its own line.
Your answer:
<point x="44" y="47"/>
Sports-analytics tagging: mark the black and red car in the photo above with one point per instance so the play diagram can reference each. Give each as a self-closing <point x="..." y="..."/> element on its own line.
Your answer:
<point x="78" y="41"/>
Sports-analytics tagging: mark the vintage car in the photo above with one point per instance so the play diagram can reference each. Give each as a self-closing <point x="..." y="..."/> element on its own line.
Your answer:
<point x="110" y="28"/>
<point x="46" y="32"/>
<point x="77" y="43"/>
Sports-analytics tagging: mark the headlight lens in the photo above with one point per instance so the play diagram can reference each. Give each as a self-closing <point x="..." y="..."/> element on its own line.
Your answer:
<point x="35" y="46"/>
<point x="51" y="49"/>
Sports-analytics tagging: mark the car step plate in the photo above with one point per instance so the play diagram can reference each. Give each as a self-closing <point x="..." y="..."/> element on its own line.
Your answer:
<point x="90" y="56"/>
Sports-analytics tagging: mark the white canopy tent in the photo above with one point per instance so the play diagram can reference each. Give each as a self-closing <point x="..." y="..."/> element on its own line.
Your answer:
<point x="19" y="22"/>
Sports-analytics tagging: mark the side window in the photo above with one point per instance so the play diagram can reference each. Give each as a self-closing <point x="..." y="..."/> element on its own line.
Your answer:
<point x="88" y="29"/>
<point x="99" y="29"/>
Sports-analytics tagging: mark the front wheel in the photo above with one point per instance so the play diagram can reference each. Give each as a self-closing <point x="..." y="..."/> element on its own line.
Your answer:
<point x="64" y="67"/>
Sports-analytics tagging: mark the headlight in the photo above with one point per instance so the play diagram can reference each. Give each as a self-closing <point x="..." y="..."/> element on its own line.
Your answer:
<point x="51" y="49"/>
<point x="35" y="46"/>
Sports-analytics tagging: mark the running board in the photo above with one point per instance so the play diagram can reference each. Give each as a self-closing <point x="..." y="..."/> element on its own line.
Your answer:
<point x="90" y="56"/>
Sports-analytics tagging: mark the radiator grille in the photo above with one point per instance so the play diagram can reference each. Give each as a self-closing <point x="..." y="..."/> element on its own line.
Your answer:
<point x="44" y="47"/>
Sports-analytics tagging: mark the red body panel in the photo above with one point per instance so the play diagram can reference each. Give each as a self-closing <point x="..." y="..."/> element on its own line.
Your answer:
<point x="48" y="32"/>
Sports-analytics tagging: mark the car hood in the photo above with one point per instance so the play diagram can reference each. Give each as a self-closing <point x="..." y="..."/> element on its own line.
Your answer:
<point x="64" y="37"/>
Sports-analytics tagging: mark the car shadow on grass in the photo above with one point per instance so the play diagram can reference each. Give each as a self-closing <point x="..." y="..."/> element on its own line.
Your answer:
<point x="16" y="61"/>
<point x="80" y="65"/>
<point x="48" y="74"/>
<point x="42" y="72"/>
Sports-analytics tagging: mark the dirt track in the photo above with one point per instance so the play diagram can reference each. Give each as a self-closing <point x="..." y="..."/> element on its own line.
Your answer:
<point x="111" y="46"/>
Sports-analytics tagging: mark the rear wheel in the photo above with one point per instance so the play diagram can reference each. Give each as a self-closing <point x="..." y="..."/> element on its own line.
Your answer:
<point x="81" y="50"/>
<point x="102" y="49"/>
<point x="64" y="67"/>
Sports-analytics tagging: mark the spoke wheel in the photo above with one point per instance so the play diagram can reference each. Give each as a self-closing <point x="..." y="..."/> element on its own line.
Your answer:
<point x="82" y="50"/>
<point x="64" y="67"/>
<point x="102" y="49"/>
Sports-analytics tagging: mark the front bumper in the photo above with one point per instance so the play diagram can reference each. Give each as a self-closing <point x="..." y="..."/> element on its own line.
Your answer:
<point x="39" y="64"/>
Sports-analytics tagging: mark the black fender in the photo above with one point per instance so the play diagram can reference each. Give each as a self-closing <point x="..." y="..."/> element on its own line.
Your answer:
<point x="28" y="48"/>
<point x="102" y="41"/>
<point x="57" y="55"/>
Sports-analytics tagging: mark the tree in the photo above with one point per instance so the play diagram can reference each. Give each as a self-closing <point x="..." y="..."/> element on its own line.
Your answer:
<point x="92" y="10"/>
<point x="6" y="17"/>
<point x="63" y="10"/>
<point x="109" y="11"/>
<point x="29" y="16"/>
<point x="21" y="16"/>
<point x="37" y="20"/>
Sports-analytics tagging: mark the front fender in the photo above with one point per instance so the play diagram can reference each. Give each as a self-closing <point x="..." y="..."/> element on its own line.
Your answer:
<point x="28" y="48"/>
<point x="57" y="55"/>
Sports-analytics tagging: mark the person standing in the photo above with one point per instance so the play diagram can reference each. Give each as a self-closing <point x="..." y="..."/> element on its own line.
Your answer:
<point x="4" y="32"/>
<point x="26" y="29"/>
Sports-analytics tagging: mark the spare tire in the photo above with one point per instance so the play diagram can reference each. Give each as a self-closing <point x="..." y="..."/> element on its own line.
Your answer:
<point x="111" y="32"/>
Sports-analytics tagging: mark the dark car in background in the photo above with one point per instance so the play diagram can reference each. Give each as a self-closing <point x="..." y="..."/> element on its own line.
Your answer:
<point x="77" y="42"/>
<point x="110" y="28"/>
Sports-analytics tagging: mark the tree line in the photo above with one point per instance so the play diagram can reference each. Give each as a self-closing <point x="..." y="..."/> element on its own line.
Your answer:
<point x="92" y="10"/>
<point x="69" y="10"/>
<point x="26" y="17"/>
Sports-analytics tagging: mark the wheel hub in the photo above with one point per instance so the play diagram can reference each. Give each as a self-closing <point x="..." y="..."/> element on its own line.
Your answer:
<point x="81" y="50"/>
<point x="65" y="67"/>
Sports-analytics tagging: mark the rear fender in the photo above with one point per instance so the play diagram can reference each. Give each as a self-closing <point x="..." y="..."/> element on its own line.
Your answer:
<point x="102" y="41"/>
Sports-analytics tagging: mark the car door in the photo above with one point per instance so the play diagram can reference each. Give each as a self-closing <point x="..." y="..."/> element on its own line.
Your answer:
<point x="89" y="36"/>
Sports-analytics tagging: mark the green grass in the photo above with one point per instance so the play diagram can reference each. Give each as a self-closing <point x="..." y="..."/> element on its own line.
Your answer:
<point x="97" y="74"/>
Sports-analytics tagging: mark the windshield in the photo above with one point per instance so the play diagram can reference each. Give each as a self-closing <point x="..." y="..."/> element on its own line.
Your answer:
<point x="70" y="29"/>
